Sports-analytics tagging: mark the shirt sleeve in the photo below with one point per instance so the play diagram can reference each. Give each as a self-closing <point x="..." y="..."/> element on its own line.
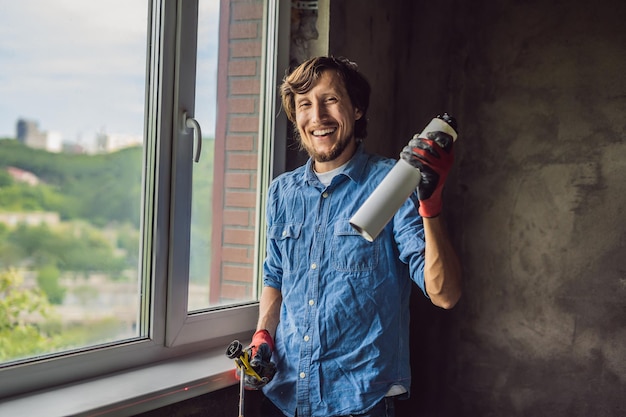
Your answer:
<point x="272" y="266"/>
<point x="408" y="229"/>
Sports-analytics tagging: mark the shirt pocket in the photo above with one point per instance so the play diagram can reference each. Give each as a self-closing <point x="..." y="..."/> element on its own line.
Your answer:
<point x="286" y="236"/>
<point x="351" y="252"/>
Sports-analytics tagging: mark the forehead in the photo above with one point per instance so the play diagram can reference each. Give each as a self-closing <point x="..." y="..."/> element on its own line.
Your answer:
<point x="328" y="82"/>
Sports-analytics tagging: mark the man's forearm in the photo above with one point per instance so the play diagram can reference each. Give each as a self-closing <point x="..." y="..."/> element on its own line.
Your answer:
<point x="442" y="270"/>
<point x="269" y="310"/>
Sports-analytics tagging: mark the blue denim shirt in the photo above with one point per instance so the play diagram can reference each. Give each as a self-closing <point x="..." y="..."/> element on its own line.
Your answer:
<point x="343" y="336"/>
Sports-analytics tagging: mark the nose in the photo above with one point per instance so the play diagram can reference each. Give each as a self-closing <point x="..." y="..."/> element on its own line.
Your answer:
<point x="319" y="111"/>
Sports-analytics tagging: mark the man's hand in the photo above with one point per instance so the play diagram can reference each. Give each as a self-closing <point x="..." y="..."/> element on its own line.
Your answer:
<point x="260" y="349"/>
<point x="434" y="163"/>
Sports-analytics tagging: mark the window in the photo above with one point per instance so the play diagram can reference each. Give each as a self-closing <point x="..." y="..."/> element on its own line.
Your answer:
<point x="72" y="128"/>
<point x="131" y="187"/>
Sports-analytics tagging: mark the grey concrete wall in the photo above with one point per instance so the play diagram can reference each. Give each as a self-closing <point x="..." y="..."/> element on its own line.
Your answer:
<point x="536" y="203"/>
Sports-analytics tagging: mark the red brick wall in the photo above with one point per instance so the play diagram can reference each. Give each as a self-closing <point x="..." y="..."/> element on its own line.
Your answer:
<point x="236" y="150"/>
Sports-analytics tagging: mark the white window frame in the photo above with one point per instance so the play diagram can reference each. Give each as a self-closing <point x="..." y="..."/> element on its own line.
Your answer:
<point x="172" y="334"/>
<point x="182" y="328"/>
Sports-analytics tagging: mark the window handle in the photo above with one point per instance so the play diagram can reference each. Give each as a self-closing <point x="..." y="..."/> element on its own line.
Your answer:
<point x="191" y="123"/>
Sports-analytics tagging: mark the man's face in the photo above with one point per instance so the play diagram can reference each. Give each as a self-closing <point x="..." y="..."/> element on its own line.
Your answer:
<point x="325" y="120"/>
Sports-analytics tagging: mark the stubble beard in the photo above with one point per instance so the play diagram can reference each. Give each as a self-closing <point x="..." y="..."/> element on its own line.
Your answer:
<point x="334" y="152"/>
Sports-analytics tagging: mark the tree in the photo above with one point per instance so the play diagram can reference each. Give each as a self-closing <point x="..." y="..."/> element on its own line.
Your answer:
<point x="19" y="309"/>
<point x="48" y="281"/>
<point x="5" y="179"/>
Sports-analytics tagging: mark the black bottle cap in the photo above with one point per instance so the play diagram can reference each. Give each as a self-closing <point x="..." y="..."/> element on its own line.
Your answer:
<point x="449" y="120"/>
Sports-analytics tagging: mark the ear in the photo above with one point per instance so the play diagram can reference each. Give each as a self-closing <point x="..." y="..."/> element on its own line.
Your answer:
<point x="357" y="113"/>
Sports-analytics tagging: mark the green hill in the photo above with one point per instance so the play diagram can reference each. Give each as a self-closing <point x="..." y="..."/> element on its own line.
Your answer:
<point x="100" y="189"/>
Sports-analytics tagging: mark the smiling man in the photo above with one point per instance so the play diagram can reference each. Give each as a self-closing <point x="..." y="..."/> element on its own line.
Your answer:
<point x="325" y="119"/>
<point x="333" y="330"/>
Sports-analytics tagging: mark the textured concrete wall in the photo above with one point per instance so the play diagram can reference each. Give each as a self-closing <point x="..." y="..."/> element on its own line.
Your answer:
<point x="535" y="205"/>
<point x="543" y="329"/>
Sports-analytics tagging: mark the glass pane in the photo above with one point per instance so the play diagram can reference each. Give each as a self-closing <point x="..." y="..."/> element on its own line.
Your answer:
<point x="71" y="141"/>
<point x="224" y="208"/>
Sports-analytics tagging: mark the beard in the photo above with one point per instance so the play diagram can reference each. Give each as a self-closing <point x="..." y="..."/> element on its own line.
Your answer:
<point x="330" y="155"/>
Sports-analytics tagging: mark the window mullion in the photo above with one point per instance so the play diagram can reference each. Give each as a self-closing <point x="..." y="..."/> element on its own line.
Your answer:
<point x="182" y="160"/>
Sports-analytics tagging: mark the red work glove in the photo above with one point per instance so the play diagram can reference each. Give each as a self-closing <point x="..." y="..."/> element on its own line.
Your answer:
<point x="260" y="353"/>
<point x="434" y="163"/>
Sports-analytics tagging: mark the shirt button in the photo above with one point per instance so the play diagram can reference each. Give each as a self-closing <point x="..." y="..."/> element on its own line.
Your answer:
<point x="313" y="266"/>
<point x="311" y="302"/>
<point x="306" y="338"/>
<point x="302" y="375"/>
<point x="325" y="194"/>
<point x="284" y="233"/>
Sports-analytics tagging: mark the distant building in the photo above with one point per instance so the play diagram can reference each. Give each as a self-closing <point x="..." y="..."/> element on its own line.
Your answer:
<point x="34" y="218"/>
<point x="106" y="142"/>
<point x="73" y="148"/>
<point x="23" y="176"/>
<point x="28" y="129"/>
<point x="29" y="134"/>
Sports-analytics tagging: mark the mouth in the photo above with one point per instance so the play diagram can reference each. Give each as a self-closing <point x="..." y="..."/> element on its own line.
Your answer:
<point x="323" y="132"/>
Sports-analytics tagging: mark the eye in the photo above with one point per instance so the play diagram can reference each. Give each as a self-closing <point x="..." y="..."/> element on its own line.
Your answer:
<point x="303" y="104"/>
<point x="331" y="99"/>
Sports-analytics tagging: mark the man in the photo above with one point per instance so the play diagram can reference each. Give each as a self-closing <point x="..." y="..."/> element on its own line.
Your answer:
<point x="334" y="309"/>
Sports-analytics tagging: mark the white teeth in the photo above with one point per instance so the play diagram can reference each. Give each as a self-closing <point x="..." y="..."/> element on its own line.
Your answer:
<point x="323" y="132"/>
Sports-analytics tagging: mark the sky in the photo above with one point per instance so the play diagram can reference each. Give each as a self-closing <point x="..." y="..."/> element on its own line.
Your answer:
<point x="77" y="67"/>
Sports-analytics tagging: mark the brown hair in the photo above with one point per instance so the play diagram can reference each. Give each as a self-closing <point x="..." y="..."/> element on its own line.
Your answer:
<point x="306" y="75"/>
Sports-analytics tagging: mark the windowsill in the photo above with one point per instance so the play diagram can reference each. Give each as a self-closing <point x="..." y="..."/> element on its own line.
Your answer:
<point x="131" y="392"/>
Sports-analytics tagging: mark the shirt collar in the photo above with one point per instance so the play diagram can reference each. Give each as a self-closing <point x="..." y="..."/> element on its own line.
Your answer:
<point x="354" y="170"/>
